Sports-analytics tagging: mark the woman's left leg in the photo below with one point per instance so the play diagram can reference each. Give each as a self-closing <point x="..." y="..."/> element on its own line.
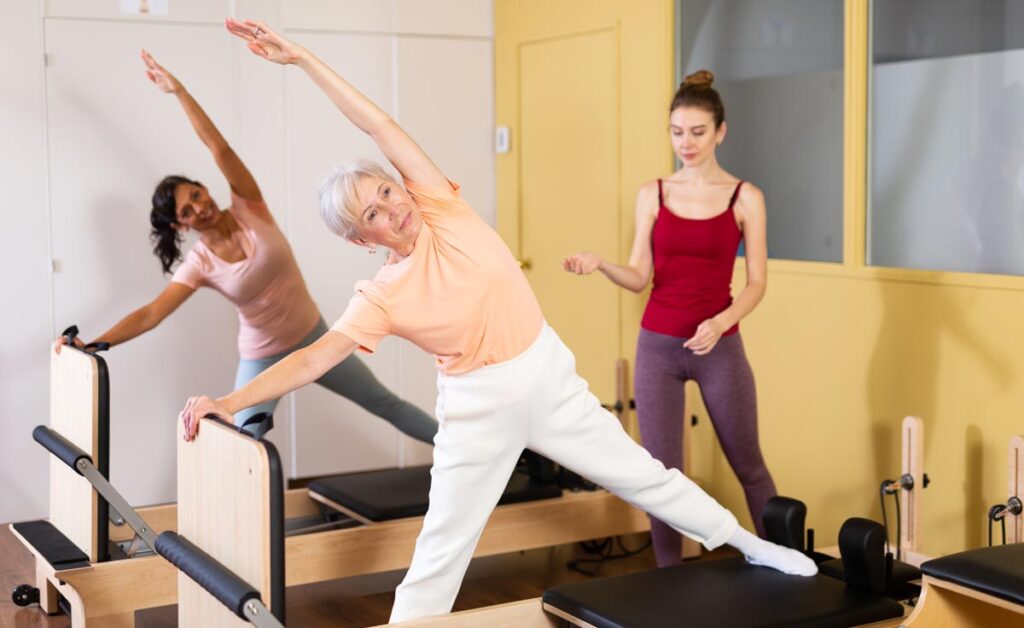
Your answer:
<point x="352" y="379"/>
<point x="727" y="387"/>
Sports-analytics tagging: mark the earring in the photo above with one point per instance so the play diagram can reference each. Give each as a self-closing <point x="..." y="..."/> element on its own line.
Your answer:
<point x="373" y="250"/>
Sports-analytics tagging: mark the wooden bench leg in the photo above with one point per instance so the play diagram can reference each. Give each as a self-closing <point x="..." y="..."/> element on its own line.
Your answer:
<point x="47" y="591"/>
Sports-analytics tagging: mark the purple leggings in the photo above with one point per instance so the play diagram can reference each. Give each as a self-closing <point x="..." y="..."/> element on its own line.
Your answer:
<point x="726" y="383"/>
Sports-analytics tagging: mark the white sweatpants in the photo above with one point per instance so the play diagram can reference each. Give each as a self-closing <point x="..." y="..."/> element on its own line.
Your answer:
<point x="536" y="400"/>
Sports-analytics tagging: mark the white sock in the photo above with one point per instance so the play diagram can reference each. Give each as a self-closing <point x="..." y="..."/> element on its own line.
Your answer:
<point x="757" y="551"/>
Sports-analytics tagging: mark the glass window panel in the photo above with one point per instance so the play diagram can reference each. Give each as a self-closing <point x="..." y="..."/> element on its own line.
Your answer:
<point x="947" y="135"/>
<point x="779" y="67"/>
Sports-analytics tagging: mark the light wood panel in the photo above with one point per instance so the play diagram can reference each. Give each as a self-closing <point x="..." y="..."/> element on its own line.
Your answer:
<point x="913" y="465"/>
<point x="224" y="509"/>
<point x="947" y="605"/>
<point x="514" y="527"/>
<point x="524" y="614"/>
<point x="1015" y="469"/>
<point x="74" y="414"/>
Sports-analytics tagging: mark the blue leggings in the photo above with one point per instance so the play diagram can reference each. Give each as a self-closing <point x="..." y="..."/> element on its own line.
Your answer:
<point x="351" y="379"/>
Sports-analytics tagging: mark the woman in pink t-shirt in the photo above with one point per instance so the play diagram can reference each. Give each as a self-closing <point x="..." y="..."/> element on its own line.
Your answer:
<point x="242" y="254"/>
<point x="505" y="380"/>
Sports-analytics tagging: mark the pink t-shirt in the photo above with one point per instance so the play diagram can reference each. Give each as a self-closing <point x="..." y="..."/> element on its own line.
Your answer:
<point x="459" y="295"/>
<point x="275" y="311"/>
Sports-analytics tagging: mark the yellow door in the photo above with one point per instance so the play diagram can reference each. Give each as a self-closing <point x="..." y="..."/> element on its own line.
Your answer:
<point x="568" y="139"/>
<point x="583" y="86"/>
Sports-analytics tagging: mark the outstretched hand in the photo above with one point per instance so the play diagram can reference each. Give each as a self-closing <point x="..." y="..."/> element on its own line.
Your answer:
<point x="160" y="76"/>
<point x="197" y="408"/>
<point x="264" y="41"/>
<point x="582" y="263"/>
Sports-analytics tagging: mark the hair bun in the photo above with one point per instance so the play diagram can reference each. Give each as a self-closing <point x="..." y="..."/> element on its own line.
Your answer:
<point x="700" y="78"/>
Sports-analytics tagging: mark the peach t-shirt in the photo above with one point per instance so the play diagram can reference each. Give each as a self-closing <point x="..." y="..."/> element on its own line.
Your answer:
<point x="275" y="310"/>
<point x="459" y="295"/>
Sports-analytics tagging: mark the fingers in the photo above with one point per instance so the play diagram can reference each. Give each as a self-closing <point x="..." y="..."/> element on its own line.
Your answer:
<point x="240" y="29"/>
<point x="260" y="50"/>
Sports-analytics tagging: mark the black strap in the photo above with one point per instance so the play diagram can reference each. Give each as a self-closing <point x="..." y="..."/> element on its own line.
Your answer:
<point x="735" y="195"/>
<point x="93" y="347"/>
<point x="256" y="419"/>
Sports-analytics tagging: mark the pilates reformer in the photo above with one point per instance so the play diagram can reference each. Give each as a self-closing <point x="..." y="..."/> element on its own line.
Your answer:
<point x="334" y="546"/>
<point x="197" y="568"/>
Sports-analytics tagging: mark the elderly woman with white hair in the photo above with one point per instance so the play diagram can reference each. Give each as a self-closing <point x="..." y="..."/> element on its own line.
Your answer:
<point x="505" y="380"/>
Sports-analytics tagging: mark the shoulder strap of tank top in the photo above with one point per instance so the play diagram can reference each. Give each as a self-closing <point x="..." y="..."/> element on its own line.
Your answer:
<point x="661" y="199"/>
<point x="735" y="195"/>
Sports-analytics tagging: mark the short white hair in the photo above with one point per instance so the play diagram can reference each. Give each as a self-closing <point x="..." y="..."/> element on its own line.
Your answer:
<point x="339" y="195"/>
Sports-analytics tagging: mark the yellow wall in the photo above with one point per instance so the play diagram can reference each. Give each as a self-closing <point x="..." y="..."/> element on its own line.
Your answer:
<point x="841" y="353"/>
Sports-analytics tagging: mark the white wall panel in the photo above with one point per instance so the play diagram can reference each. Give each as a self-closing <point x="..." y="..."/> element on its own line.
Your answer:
<point x="113" y="136"/>
<point x="333" y="434"/>
<point x="461" y="18"/>
<point x="24" y="256"/>
<point x="445" y="101"/>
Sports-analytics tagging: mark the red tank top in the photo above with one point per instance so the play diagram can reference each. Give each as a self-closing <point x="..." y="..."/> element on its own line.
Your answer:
<point x="693" y="266"/>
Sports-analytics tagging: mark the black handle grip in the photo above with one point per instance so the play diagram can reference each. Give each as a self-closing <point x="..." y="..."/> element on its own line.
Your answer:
<point x="70" y="334"/>
<point x="68" y="452"/>
<point x="221" y="582"/>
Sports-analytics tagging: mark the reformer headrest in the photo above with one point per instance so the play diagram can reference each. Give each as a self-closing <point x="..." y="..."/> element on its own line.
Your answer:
<point x="862" y="546"/>
<point x="784" y="519"/>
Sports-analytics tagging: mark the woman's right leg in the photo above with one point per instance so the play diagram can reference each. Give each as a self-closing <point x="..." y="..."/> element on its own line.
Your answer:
<point x="478" y="444"/>
<point x="660" y="404"/>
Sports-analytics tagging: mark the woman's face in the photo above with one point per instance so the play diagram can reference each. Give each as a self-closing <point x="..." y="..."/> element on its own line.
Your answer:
<point x="194" y="208"/>
<point x="694" y="136"/>
<point x="386" y="216"/>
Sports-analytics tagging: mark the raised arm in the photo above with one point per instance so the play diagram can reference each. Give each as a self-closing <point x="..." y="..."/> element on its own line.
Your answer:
<point x="295" y="371"/>
<point x="141" y="320"/>
<point x="400" y="149"/>
<point x="239" y="178"/>
<point x="636" y="274"/>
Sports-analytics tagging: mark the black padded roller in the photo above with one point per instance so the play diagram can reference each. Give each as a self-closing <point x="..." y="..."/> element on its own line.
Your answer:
<point x="221" y="582"/>
<point x="862" y="546"/>
<point x="68" y="452"/>
<point x="783" y="519"/>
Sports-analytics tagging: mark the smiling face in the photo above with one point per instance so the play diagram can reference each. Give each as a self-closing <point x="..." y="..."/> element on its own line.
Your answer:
<point x="194" y="208"/>
<point x="694" y="136"/>
<point x="385" y="215"/>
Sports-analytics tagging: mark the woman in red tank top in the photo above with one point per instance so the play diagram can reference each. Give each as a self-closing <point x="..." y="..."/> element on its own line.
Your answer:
<point x="688" y="229"/>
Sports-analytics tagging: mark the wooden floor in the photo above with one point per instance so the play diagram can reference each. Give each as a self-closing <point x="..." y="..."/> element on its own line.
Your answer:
<point x="353" y="602"/>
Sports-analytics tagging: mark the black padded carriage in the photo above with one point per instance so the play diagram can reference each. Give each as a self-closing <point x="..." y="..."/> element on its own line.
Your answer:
<point x="998" y="571"/>
<point x="387" y="494"/>
<point x="727" y="592"/>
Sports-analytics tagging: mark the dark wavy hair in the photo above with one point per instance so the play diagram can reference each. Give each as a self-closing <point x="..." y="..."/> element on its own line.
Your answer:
<point x="696" y="91"/>
<point x="165" y="238"/>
